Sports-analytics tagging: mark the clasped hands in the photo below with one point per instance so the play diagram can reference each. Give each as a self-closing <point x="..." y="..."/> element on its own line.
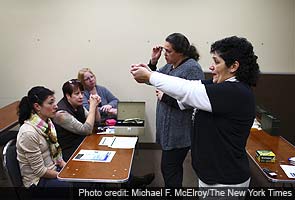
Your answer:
<point x="141" y="73"/>
<point x="94" y="99"/>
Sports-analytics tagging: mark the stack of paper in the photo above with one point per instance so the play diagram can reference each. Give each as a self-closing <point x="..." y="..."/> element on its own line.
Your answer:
<point x="119" y="142"/>
<point x="95" y="155"/>
<point x="289" y="170"/>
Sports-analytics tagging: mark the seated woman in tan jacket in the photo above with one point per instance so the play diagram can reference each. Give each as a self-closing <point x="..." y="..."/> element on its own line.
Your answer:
<point x="38" y="151"/>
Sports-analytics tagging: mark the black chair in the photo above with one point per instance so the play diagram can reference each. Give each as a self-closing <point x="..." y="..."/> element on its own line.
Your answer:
<point x="12" y="169"/>
<point x="6" y="136"/>
<point x="11" y="165"/>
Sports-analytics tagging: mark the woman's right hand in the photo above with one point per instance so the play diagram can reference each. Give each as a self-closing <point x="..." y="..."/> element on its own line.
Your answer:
<point x="156" y="54"/>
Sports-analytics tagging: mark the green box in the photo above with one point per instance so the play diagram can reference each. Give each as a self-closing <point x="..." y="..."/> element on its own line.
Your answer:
<point x="265" y="156"/>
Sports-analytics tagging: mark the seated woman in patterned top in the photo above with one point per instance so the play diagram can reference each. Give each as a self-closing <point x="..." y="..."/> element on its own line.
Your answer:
<point x="38" y="151"/>
<point x="73" y="122"/>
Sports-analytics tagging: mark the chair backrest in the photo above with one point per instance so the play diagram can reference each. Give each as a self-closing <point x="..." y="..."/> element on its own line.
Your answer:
<point x="10" y="163"/>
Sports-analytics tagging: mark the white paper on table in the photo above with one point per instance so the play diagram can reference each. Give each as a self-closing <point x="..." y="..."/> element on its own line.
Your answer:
<point x="106" y="141"/>
<point x="95" y="155"/>
<point x="256" y="124"/>
<point x="124" y="142"/>
<point x="289" y="170"/>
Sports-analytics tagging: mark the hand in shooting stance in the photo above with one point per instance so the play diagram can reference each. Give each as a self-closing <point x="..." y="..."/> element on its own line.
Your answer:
<point x="141" y="73"/>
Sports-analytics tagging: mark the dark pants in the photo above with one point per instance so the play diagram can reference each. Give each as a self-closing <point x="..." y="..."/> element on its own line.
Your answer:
<point x="52" y="182"/>
<point x="51" y="188"/>
<point x="172" y="166"/>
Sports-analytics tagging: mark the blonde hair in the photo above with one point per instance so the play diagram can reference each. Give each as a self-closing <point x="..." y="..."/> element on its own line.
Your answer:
<point x="81" y="75"/>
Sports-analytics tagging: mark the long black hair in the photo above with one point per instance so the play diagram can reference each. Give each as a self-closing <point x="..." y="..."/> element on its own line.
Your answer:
<point x="38" y="95"/>
<point x="238" y="49"/>
<point x="181" y="45"/>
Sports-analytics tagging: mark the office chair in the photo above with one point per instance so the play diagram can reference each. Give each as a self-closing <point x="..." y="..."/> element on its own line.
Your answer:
<point x="6" y="136"/>
<point x="10" y="163"/>
<point x="12" y="169"/>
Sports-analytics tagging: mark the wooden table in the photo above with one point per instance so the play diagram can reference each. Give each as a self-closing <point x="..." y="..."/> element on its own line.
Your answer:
<point x="8" y="116"/>
<point x="116" y="171"/>
<point x="260" y="140"/>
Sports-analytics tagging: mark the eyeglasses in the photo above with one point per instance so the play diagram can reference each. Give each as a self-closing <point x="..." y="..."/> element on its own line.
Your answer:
<point x="166" y="51"/>
<point x="89" y="78"/>
<point x="73" y="81"/>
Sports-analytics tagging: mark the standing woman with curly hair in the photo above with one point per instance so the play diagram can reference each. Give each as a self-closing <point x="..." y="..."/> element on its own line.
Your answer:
<point x="224" y="114"/>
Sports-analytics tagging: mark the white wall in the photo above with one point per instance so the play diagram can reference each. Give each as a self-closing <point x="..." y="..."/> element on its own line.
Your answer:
<point x="46" y="42"/>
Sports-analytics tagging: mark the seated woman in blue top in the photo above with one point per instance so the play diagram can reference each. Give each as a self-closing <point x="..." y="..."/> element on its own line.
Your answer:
<point x="108" y="105"/>
<point x="224" y="114"/>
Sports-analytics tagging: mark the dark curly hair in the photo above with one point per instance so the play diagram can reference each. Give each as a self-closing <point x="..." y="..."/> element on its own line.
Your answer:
<point x="238" y="49"/>
<point x="181" y="45"/>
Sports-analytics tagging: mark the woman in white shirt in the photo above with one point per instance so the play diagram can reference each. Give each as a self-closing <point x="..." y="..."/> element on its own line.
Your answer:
<point x="224" y="111"/>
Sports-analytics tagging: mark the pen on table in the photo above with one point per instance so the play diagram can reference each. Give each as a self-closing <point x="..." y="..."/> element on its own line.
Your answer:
<point x="107" y="155"/>
<point x="103" y="141"/>
<point x="113" y="142"/>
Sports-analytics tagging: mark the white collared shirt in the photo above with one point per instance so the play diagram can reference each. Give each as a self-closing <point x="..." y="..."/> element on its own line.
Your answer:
<point x="188" y="93"/>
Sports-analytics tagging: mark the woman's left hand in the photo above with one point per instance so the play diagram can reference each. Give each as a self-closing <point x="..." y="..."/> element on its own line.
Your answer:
<point x="106" y="108"/>
<point x="113" y="111"/>
<point x="61" y="163"/>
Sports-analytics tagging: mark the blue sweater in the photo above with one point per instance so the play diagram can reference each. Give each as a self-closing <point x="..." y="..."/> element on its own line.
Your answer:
<point x="173" y="126"/>
<point x="107" y="98"/>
